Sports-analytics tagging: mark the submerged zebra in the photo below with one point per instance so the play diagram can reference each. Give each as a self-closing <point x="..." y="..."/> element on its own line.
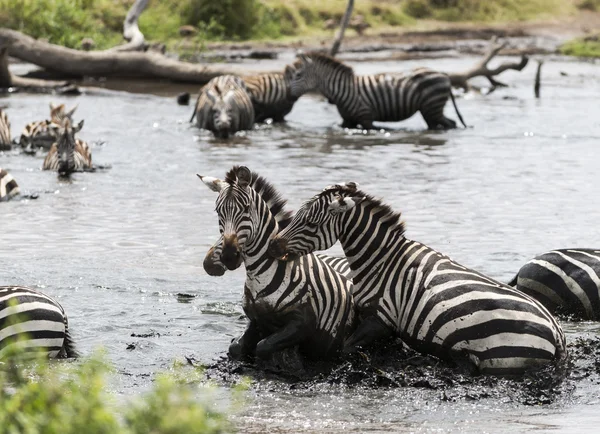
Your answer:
<point x="364" y="99"/>
<point x="432" y="303"/>
<point x="33" y="321"/>
<point x="224" y="106"/>
<point x="302" y="302"/>
<point x="566" y="281"/>
<point x="42" y="134"/>
<point x="5" y="137"/>
<point x="8" y="186"/>
<point x="68" y="154"/>
<point x="271" y="95"/>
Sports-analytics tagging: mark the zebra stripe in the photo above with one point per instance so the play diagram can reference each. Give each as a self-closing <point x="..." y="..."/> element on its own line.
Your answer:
<point x="68" y="154"/>
<point x="32" y="320"/>
<point x="566" y="281"/>
<point x="5" y="137"/>
<point x="271" y="95"/>
<point x="301" y="302"/>
<point x="42" y="134"/>
<point x="381" y="97"/>
<point x="8" y="186"/>
<point x="432" y="303"/>
<point x="224" y="106"/>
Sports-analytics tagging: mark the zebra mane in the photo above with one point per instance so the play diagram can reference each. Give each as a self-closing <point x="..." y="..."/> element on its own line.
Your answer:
<point x="325" y="59"/>
<point x="268" y="193"/>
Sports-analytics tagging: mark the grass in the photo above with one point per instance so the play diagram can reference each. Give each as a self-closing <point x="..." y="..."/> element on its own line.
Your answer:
<point x="582" y="47"/>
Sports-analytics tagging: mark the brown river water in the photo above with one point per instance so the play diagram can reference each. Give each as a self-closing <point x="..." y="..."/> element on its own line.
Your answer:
<point x="122" y="248"/>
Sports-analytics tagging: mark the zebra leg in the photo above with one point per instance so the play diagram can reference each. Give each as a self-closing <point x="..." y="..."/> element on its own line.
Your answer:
<point x="349" y="123"/>
<point x="245" y="344"/>
<point x="367" y="332"/>
<point x="295" y="331"/>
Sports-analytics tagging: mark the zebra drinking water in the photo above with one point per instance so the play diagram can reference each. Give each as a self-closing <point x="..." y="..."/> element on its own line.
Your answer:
<point x="432" y="303"/>
<point x="271" y="95"/>
<point x="68" y="154"/>
<point x="364" y="99"/>
<point x="34" y="321"/>
<point x="566" y="281"/>
<point x="224" y="106"/>
<point x="5" y="137"/>
<point x="8" y="186"/>
<point x="302" y="302"/>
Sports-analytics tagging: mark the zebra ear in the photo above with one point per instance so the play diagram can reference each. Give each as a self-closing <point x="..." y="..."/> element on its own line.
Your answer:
<point x="215" y="184"/>
<point x="304" y="58"/>
<point x="229" y="96"/>
<point x="352" y="186"/>
<point x="78" y="127"/>
<point x="211" y="96"/>
<point x="70" y="112"/>
<point x="341" y="204"/>
<point x="244" y="176"/>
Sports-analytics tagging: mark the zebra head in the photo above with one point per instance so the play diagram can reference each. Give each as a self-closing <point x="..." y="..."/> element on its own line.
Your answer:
<point x="58" y="113"/>
<point x="222" y="111"/>
<point x="316" y="225"/>
<point x="305" y="77"/>
<point x="212" y="261"/>
<point x="65" y="134"/>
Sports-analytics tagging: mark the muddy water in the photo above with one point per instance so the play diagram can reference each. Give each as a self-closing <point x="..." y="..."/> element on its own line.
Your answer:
<point x="122" y="248"/>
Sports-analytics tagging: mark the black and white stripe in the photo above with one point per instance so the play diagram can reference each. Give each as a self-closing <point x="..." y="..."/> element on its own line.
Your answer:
<point x="68" y="154"/>
<point x="271" y="95"/>
<point x="5" y="137"/>
<point x="42" y="134"/>
<point x="566" y="281"/>
<point x="432" y="303"/>
<point x="33" y="321"/>
<point x="224" y="106"/>
<point x="8" y="186"/>
<point x="364" y="99"/>
<point x="303" y="302"/>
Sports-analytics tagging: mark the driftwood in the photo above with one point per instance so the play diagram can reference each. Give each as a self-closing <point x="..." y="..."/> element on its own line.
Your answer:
<point x="481" y="68"/>
<point x="340" y="35"/>
<point x="538" y="79"/>
<point x="131" y="31"/>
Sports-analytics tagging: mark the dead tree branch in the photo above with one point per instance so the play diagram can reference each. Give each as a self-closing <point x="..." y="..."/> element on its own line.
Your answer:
<point x="131" y="31"/>
<point x="538" y="79"/>
<point x="340" y="35"/>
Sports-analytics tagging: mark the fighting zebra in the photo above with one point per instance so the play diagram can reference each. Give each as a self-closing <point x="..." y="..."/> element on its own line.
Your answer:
<point x="224" y="106"/>
<point x="432" y="303"/>
<point x="68" y="154"/>
<point x="270" y="94"/>
<point x="566" y="281"/>
<point x="302" y="302"/>
<point x="32" y="320"/>
<point x="42" y="134"/>
<point x="5" y="138"/>
<point x="8" y="186"/>
<point x="364" y="99"/>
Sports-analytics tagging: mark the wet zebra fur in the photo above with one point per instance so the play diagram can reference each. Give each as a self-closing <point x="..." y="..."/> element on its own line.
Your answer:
<point x="566" y="281"/>
<point x="224" y="106"/>
<point x="33" y="321"/>
<point x="68" y="154"/>
<point x="364" y="99"/>
<point x="5" y="137"/>
<point x="271" y="95"/>
<point x="432" y="303"/>
<point x="303" y="302"/>
<point x="42" y="134"/>
<point x="8" y="186"/>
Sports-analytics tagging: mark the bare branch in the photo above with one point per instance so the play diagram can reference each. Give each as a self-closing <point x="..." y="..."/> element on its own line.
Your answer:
<point x="131" y="31"/>
<point x="538" y="79"/>
<point x="340" y="35"/>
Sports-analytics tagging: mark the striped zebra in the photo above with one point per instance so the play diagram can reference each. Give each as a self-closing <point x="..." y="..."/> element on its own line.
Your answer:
<point x="270" y="94"/>
<point x="364" y="99"/>
<point x="5" y="137"/>
<point x="33" y="321"/>
<point x="566" y="281"/>
<point x="303" y="302"/>
<point x="42" y="134"/>
<point x="432" y="303"/>
<point x="8" y="186"/>
<point x="68" y="154"/>
<point x="224" y="106"/>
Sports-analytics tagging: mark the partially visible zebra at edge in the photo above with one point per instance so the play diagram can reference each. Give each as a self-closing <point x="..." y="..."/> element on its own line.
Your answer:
<point x="271" y="94"/>
<point x="33" y="321"/>
<point x="364" y="99"/>
<point x="565" y="281"/>
<point x="5" y="137"/>
<point x="8" y="186"/>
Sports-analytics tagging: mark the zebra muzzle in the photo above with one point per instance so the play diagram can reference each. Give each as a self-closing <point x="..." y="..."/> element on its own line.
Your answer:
<point x="230" y="255"/>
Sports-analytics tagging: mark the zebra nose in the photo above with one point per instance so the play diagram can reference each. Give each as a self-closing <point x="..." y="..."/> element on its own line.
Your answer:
<point x="211" y="265"/>
<point x="231" y="257"/>
<point x="277" y="247"/>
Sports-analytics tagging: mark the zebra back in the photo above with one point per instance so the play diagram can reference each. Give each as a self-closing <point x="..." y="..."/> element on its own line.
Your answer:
<point x="5" y="137"/>
<point x="271" y="95"/>
<point x="8" y="186"/>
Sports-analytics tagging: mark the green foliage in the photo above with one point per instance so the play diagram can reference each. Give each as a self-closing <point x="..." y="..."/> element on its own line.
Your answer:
<point x="590" y="5"/>
<point x="587" y="47"/>
<point x="418" y="8"/>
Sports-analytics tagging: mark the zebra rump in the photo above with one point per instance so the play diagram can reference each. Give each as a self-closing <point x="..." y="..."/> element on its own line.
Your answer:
<point x="33" y="321"/>
<point x="5" y="138"/>
<point x="565" y="281"/>
<point x="271" y="95"/>
<point x="8" y="186"/>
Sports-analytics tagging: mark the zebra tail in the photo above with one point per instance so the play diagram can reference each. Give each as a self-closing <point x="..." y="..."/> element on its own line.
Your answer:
<point x="513" y="281"/>
<point x="194" y="113"/>
<point x="68" y="349"/>
<point x="457" y="112"/>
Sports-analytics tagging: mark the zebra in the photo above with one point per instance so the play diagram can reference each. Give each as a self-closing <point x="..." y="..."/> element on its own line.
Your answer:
<point x="288" y="303"/>
<point x="363" y="99"/>
<point x="42" y="134"/>
<point x="8" y="186"/>
<point x="565" y="281"/>
<point x="33" y="320"/>
<point x="224" y="106"/>
<point x="270" y="94"/>
<point x="5" y="137"/>
<point x="68" y="154"/>
<point x="403" y="287"/>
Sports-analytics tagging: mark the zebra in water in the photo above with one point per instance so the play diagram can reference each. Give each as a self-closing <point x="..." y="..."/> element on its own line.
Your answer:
<point x="42" y="134"/>
<point x="8" y="186"/>
<point x="34" y="321"/>
<point x="68" y="154"/>
<point x="364" y="99"/>
<point x="432" y="303"/>
<point x="566" y="281"/>
<point x="271" y="95"/>
<point x="5" y="137"/>
<point x="302" y="302"/>
<point x="224" y="106"/>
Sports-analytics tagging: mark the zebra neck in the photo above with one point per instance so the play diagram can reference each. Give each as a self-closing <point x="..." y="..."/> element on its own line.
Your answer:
<point x="256" y="257"/>
<point x="338" y="90"/>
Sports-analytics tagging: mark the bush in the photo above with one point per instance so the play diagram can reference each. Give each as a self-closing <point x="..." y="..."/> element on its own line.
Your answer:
<point x="417" y="8"/>
<point x="587" y="47"/>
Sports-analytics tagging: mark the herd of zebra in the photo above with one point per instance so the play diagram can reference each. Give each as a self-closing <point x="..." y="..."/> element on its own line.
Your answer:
<point x="386" y="286"/>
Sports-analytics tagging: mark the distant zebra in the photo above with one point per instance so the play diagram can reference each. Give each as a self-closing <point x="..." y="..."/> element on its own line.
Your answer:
<point x="8" y="186"/>
<point x="68" y="154"/>
<point x="42" y="134"/>
<point x="364" y="99"/>
<point x="34" y="321"/>
<point x="5" y="137"/>
<point x="271" y="95"/>
<point x="566" y="281"/>
<point x="432" y="303"/>
<point x="301" y="302"/>
<point x="224" y="106"/>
